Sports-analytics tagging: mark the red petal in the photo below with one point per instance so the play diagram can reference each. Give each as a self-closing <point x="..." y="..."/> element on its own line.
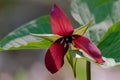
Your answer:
<point x="60" y="22"/>
<point x="89" y="47"/>
<point x="54" y="58"/>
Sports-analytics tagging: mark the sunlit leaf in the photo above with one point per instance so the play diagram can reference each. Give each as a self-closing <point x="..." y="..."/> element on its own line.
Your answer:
<point x="21" y="38"/>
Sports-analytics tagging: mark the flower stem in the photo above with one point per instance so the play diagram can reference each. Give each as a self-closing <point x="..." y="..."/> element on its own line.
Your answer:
<point x="88" y="70"/>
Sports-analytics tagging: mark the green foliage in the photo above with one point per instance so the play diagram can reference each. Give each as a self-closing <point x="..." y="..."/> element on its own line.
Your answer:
<point x="98" y="10"/>
<point x="102" y="12"/>
<point x="109" y="45"/>
<point x="21" y="38"/>
<point x="103" y="2"/>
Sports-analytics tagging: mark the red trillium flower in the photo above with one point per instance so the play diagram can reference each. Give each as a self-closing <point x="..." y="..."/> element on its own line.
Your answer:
<point x="61" y="26"/>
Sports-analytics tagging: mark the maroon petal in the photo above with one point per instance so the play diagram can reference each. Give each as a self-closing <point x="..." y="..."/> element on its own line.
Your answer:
<point x="54" y="58"/>
<point x="89" y="47"/>
<point x="60" y="22"/>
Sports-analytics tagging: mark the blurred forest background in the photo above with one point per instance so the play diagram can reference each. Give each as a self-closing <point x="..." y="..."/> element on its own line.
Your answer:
<point x="29" y="64"/>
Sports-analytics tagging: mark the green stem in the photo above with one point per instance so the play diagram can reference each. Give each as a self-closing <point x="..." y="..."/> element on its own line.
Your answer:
<point x="74" y="67"/>
<point x="88" y="70"/>
<point x="83" y="69"/>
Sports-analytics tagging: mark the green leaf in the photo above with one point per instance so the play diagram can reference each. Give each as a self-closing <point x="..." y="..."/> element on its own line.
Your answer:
<point x="21" y="38"/>
<point x="102" y="12"/>
<point x="109" y="45"/>
<point x="102" y="2"/>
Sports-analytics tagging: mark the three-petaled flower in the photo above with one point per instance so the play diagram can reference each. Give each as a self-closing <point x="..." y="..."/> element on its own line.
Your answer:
<point x="61" y="26"/>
